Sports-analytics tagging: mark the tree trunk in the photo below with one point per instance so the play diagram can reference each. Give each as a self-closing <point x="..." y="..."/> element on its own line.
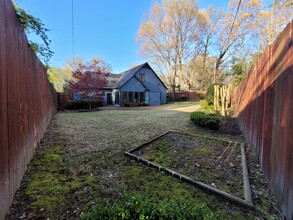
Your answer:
<point x="204" y="62"/>
<point x="216" y="97"/>
<point x="223" y="99"/>
<point x="215" y="72"/>
<point x="173" y="89"/>
<point x="228" y="97"/>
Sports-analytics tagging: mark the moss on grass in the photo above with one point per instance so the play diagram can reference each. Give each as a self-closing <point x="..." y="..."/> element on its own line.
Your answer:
<point x="48" y="186"/>
<point x="203" y="151"/>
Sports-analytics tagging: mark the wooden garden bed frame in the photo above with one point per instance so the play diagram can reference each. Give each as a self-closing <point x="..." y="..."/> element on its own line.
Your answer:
<point x="247" y="202"/>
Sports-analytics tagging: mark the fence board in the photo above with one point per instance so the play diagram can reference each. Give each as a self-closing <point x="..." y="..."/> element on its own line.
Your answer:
<point x="4" y="165"/>
<point x="186" y="95"/>
<point x="263" y="103"/>
<point x="27" y="101"/>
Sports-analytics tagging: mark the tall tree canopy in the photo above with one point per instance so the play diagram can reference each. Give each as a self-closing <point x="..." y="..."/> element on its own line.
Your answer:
<point x="169" y="36"/>
<point x="59" y="77"/>
<point x="235" y="29"/>
<point x="180" y="38"/>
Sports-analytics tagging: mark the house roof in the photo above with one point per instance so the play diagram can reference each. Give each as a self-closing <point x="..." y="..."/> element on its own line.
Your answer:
<point x="128" y="74"/>
<point x="112" y="80"/>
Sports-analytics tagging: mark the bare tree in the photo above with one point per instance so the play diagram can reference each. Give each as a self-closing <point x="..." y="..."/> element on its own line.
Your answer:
<point x="235" y="28"/>
<point x="169" y="37"/>
<point x="212" y="18"/>
<point x="91" y="65"/>
<point x="197" y="76"/>
<point x="272" y="21"/>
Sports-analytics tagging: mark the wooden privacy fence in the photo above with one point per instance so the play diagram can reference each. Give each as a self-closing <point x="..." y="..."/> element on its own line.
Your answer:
<point x="264" y="105"/>
<point x="27" y="100"/>
<point x="63" y="99"/>
<point x="183" y="96"/>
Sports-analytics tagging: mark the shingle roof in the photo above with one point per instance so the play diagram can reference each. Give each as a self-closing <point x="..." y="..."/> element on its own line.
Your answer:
<point x="112" y="79"/>
<point x="128" y="74"/>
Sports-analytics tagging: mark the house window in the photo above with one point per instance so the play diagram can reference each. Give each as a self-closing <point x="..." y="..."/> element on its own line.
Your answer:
<point x="142" y="97"/>
<point x="135" y="97"/>
<point x="130" y="97"/>
<point x="142" y="77"/>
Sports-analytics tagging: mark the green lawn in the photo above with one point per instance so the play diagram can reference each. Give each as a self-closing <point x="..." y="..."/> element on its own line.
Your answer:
<point x="80" y="163"/>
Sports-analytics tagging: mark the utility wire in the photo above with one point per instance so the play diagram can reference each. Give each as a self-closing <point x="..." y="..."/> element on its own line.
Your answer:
<point x="72" y="20"/>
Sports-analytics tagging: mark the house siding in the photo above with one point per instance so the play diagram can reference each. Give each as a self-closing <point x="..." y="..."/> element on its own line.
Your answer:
<point x="154" y="85"/>
<point x="133" y="85"/>
<point x="155" y="98"/>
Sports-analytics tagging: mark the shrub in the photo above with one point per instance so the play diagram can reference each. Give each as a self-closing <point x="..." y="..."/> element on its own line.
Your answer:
<point x="210" y="121"/>
<point x="142" y="207"/>
<point x="135" y="104"/>
<point x="198" y="118"/>
<point x="204" y="104"/>
<point x="83" y="104"/>
<point x="210" y="95"/>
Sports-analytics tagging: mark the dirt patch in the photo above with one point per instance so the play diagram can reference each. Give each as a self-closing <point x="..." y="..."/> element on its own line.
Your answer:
<point x="214" y="162"/>
<point x="229" y="125"/>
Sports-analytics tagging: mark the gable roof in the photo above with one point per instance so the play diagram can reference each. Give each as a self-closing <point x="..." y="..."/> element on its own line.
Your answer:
<point x="128" y="74"/>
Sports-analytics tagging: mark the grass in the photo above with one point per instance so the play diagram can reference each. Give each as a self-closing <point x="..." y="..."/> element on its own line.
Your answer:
<point x="137" y="206"/>
<point x="199" y="158"/>
<point x="80" y="163"/>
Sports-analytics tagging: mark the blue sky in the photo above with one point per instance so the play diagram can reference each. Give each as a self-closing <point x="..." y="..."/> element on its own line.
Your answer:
<point x="103" y="28"/>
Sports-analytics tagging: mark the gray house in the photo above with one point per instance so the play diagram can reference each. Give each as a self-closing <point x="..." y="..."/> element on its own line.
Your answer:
<point x="139" y="84"/>
<point x="136" y="86"/>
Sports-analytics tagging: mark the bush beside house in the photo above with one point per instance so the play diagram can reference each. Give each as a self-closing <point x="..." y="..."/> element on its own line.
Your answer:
<point x="83" y="104"/>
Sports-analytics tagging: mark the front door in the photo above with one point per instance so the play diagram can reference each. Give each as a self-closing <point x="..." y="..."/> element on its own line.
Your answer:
<point x="109" y="98"/>
<point x="116" y="98"/>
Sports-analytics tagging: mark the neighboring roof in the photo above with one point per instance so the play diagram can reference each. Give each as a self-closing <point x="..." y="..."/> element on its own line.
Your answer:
<point x="112" y="79"/>
<point x="128" y="74"/>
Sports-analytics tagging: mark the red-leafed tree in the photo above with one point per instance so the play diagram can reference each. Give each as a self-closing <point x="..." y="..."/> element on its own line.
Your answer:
<point x="90" y="78"/>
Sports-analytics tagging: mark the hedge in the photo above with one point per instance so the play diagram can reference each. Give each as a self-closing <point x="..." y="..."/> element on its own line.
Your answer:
<point x="83" y="104"/>
<point x="201" y="119"/>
